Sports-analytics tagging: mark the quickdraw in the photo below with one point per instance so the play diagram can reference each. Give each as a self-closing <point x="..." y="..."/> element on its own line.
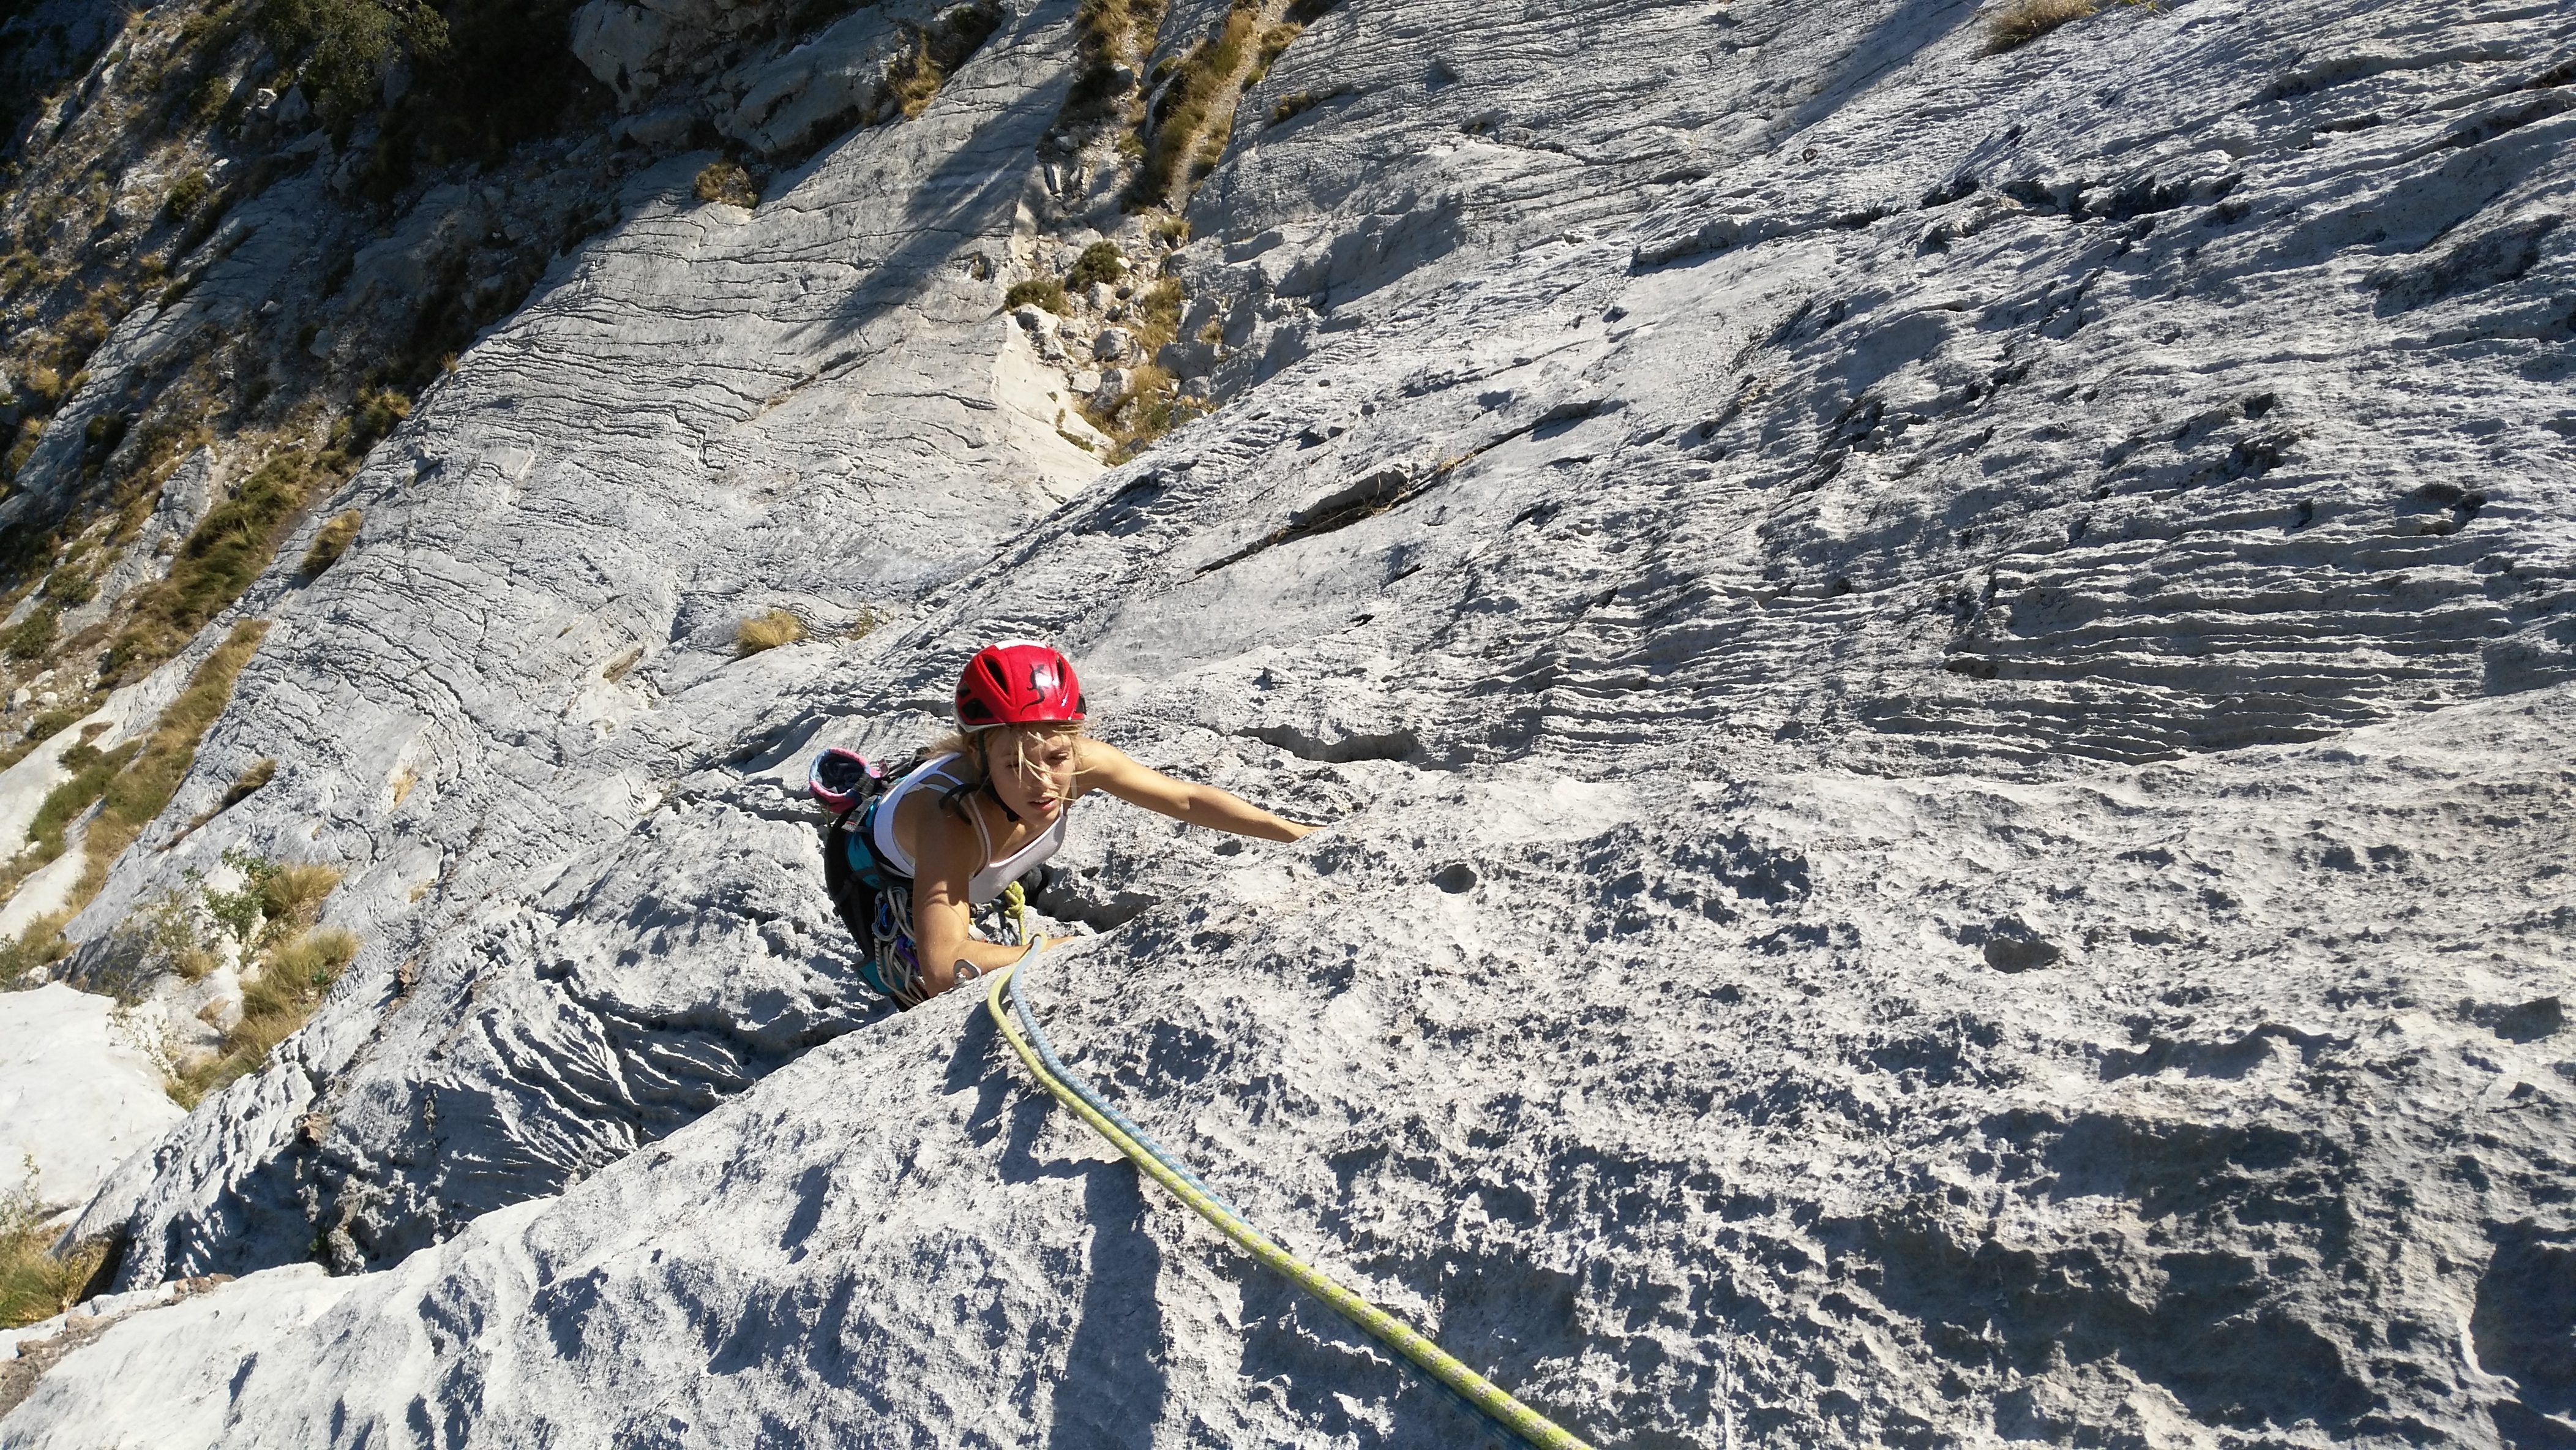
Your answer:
<point x="1523" y="1423"/>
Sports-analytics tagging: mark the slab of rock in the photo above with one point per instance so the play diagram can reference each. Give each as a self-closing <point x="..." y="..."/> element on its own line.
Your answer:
<point x="79" y="1093"/>
<point x="1946" y="816"/>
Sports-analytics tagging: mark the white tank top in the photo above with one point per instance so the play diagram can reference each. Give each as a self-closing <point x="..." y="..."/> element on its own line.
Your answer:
<point x="986" y="884"/>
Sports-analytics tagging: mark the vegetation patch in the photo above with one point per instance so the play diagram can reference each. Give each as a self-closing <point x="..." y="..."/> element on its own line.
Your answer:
<point x="936" y="51"/>
<point x="725" y="181"/>
<point x="186" y="195"/>
<point x="247" y="784"/>
<point x="1108" y="34"/>
<point x="330" y="542"/>
<point x="1099" y="262"/>
<point x="130" y="785"/>
<point x="342" y="48"/>
<point x="1298" y="103"/>
<point x="1151" y="406"/>
<point x="24" y="957"/>
<point x="1187" y="134"/>
<point x="1046" y="292"/>
<point x="34" y="1283"/>
<point x="289" y="961"/>
<point x="2023" y="21"/>
<point x="222" y="555"/>
<point x="33" y="639"/>
<point x="767" y="631"/>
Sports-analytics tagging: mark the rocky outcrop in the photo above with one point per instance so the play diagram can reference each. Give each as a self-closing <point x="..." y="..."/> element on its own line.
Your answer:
<point x="1939" y="675"/>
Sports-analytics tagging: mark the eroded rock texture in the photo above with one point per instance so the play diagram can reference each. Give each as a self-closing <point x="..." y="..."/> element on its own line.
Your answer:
<point x="1944" y="678"/>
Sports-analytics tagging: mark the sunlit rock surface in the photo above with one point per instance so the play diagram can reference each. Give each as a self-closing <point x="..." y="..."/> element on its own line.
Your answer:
<point x="1945" y="682"/>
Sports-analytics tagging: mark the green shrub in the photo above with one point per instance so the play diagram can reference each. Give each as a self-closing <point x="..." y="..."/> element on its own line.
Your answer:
<point x="34" y="635"/>
<point x="374" y="413"/>
<point x="343" y="47"/>
<point x="186" y="195"/>
<point x="71" y="586"/>
<point x="92" y="772"/>
<point x="1099" y="262"/>
<point x="53" y="722"/>
<point x="211" y="98"/>
<point x="1046" y="292"/>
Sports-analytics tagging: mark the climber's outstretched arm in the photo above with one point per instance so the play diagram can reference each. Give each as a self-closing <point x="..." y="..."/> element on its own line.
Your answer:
<point x="1107" y="768"/>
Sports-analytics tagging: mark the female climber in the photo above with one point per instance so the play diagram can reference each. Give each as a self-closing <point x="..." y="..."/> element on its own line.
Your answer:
<point x="911" y="863"/>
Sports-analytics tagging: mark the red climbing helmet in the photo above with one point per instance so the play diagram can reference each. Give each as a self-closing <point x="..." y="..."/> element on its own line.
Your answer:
<point x="1017" y="682"/>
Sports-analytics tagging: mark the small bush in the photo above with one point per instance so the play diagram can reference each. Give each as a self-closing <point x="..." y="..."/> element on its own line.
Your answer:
<point x="169" y="931"/>
<point x="1099" y="262"/>
<point x="1155" y="315"/>
<point x="248" y="783"/>
<point x="2023" y="21"/>
<point x="71" y="586"/>
<point x="186" y="195"/>
<point x="726" y="182"/>
<point x="289" y="962"/>
<point x="329" y="543"/>
<point x="1046" y="292"/>
<point x="34" y="635"/>
<point x="291" y="895"/>
<point x="767" y="631"/>
<point x="54" y="722"/>
<point x="316" y="958"/>
<point x="1172" y="231"/>
<point x="1273" y="43"/>
<point x="914" y="77"/>
<point x="211" y="97"/>
<point x="346" y="46"/>
<point x="292" y="979"/>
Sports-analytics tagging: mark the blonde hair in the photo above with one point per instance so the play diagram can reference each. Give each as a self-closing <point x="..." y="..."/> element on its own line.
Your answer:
<point x="974" y="747"/>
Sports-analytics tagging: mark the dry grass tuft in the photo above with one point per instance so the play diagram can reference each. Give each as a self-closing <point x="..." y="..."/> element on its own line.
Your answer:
<point x="2023" y="21"/>
<point x="727" y="182"/>
<point x="767" y="631"/>
<point x="140" y="793"/>
<point x="34" y="1283"/>
<point x="252" y="779"/>
<point x="1188" y="134"/>
<point x="330" y="542"/>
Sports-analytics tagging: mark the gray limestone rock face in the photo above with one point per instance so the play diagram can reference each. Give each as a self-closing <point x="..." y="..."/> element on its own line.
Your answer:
<point x="1940" y="678"/>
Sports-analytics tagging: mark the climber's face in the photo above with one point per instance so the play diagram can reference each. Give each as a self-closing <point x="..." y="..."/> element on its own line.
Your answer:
<point x="1032" y="768"/>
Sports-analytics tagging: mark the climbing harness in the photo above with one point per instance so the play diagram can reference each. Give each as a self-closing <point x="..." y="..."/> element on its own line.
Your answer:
<point x="1481" y="1394"/>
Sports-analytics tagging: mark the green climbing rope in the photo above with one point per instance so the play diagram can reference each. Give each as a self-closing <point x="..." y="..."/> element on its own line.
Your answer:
<point x="1482" y="1394"/>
